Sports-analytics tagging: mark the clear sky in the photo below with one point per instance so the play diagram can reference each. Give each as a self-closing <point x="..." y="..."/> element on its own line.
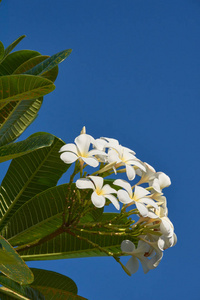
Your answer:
<point x="133" y="75"/>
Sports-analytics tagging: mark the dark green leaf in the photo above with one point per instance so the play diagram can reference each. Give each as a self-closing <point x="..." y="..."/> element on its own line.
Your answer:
<point x="23" y="87"/>
<point x="57" y="294"/>
<point x="43" y="214"/>
<point x="44" y="278"/>
<point x="29" y="175"/>
<point x="1" y="51"/>
<point x="17" y="149"/>
<point x="23" y="290"/>
<point x="13" y="45"/>
<point x="51" y="75"/>
<point x="49" y="63"/>
<point x="12" y="265"/>
<point x="69" y="246"/>
<point x="14" y="60"/>
<point x="15" y="117"/>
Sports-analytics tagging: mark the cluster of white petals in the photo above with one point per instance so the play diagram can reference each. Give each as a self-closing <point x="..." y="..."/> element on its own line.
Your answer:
<point x="148" y="199"/>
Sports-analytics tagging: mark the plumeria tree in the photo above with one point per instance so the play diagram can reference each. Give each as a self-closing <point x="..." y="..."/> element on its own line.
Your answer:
<point x="40" y="220"/>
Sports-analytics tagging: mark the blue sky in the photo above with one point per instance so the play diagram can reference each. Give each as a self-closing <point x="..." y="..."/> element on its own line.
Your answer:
<point x="133" y="75"/>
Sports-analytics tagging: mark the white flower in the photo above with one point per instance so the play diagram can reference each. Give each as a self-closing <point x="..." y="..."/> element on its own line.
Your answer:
<point x="165" y="242"/>
<point x="114" y="144"/>
<point x="166" y="226"/>
<point x="160" y="181"/>
<point x="100" y="192"/>
<point x="125" y="156"/>
<point x="148" y="174"/>
<point x="138" y="197"/>
<point x="155" y="254"/>
<point x="137" y="253"/>
<point x="80" y="150"/>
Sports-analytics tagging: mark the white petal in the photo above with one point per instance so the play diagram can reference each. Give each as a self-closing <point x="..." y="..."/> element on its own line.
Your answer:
<point x="124" y="184"/>
<point x="155" y="260"/>
<point x="69" y="147"/>
<point x="84" y="183"/>
<point x="175" y="239"/>
<point x="162" y="243"/>
<point x="166" y="228"/>
<point x="152" y="215"/>
<point x="130" y="172"/>
<point x="99" y="144"/>
<point x="140" y="192"/>
<point x="112" y="142"/>
<point x="148" y="201"/>
<point x="90" y="161"/>
<point x="97" y="200"/>
<point x="124" y="197"/>
<point x="142" y="209"/>
<point x="127" y="246"/>
<point x="143" y="247"/>
<point x="144" y="261"/>
<point x="83" y="143"/>
<point x="108" y="190"/>
<point x="138" y="164"/>
<point x="98" y="181"/>
<point x="113" y="200"/>
<point x="164" y="180"/>
<point x="156" y="185"/>
<point x="129" y="150"/>
<point x="127" y="155"/>
<point x="132" y="265"/>
<point x="96" y="152"/>
<point x="166" y="242"/>
<point x="68" y="157"/>
<point x="113" y="156"/>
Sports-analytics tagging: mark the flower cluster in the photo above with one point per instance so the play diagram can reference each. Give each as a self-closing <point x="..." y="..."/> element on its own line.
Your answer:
<point x="149" y="202"/>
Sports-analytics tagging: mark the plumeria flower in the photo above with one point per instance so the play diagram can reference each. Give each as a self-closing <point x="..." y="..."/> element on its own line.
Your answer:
<point x="101" y="145"/>
<point x="124" y="157"/>
<point x="80" y="150"/>
<point x="100" y="192"/>
<point x="160" y="199"/>
<point x="114" y="144"/>
<point x="155" y="253"/>
<point x="147" y="175"/>
<point x="166" y="226"/>
<point x="160" y="181"/>
<point x="165" y="242"/>
<point x="137" y="253"/>
<point x="127" y="196"/>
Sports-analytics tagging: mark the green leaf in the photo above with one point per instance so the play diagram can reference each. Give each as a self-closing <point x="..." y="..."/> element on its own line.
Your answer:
<point x="68" y="246"/>
<point x="13" y="45"/>
<point x="29" y="175"/>
<point x="51" y="75"/>
<point x="57" y="294"/>
<point x="43" y="214"/>
<point x="7" y="294"/>
<point x="14" y="60"/>
<point x="19" y="289"/>
<point x="1" y="50"/>
<point x="54" y="280"/>
<point x="49" y="63"/>
<point x="12" y="265"/>
<point x="15" y="117"/>
<point x="81" y="243"/>
<point x="20" y="148"/>
<point x="23" y="87"/>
